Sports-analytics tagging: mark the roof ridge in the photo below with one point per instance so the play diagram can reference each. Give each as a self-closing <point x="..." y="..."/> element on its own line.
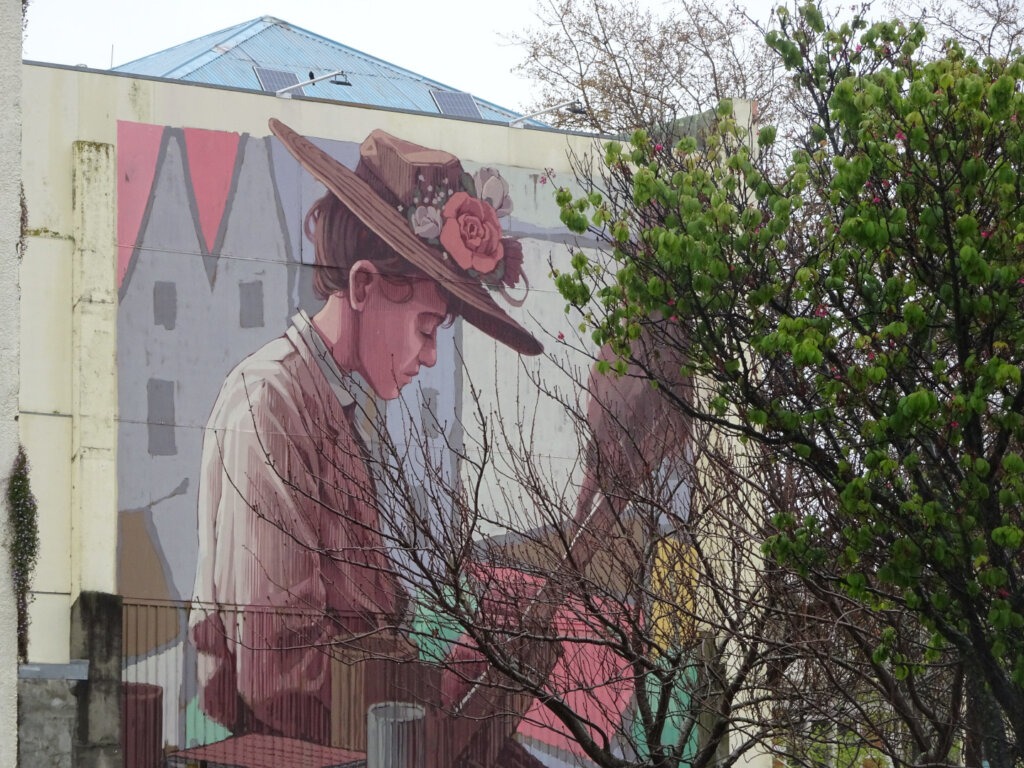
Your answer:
<point x="321" y="39"/>
<point x="268" y="41"/>
<point x="236" y="37"/>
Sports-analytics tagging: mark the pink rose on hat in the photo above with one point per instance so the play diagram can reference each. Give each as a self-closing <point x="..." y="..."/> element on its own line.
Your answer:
<point x="471" y="233"/>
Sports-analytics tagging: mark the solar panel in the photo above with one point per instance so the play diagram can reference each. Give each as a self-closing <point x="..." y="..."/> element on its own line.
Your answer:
<point x="456" y="103"/>
<point x="275" y="79"/>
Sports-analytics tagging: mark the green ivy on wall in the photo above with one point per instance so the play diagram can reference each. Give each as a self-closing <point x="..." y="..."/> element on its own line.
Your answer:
<point x="23" y="543"/>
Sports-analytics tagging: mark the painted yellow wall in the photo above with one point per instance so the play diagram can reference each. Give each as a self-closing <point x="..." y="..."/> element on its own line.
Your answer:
<point x="68" y="390"/>
<point x="68" y="398"/>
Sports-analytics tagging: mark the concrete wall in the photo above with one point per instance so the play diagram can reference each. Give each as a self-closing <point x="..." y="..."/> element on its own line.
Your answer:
<point x="49" y="720"/>
<point x="10" y="235"/>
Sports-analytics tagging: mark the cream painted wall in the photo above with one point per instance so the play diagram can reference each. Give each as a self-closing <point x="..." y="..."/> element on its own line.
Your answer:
<point x="10" y="235"/>
<point x="68" y="400"/>
<point x="68" y="371"/>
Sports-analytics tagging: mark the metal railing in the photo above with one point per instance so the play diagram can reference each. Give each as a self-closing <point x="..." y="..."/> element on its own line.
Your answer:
<point x="170" y="718"/>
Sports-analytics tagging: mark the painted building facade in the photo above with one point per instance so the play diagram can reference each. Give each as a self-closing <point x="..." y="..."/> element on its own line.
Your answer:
<point x="202" y="456"/>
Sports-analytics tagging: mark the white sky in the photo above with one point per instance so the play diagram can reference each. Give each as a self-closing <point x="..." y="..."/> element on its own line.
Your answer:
<point x="461" y="43"/>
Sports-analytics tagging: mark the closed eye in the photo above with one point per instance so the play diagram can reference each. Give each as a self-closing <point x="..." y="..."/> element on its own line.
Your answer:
<point x="429" y="323"/>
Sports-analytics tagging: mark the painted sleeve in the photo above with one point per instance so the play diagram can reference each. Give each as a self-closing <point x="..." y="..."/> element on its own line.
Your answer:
<point x="261" y="564"/>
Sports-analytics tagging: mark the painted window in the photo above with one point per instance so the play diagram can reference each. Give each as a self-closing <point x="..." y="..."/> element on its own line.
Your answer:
<point x="250" y="304"/>
<point x="165" y="304"/>
<point x="160" y="417"/>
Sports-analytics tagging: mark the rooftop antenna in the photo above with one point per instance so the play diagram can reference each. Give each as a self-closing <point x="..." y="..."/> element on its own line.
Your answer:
<point x="574" y="107"/>
<point x="338" y="77"/>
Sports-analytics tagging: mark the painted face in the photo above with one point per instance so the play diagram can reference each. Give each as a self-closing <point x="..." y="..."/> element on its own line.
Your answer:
<point x="398" y="334"/>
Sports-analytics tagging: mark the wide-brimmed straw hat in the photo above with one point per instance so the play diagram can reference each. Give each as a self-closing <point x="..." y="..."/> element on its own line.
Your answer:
<point x="391" y="181"/>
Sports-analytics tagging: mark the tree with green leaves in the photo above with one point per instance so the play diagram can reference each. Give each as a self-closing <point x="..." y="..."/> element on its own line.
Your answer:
<point x="851" y="300"/>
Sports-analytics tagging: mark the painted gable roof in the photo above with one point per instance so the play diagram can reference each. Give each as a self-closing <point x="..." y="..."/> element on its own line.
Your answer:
<point x="229" y="58"/>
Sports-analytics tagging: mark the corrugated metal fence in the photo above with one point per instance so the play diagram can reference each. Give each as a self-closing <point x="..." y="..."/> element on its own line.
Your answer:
<point x="166" y="720"/>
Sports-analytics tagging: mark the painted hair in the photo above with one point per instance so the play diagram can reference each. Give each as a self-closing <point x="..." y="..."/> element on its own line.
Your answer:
<point x="340" y="240"/>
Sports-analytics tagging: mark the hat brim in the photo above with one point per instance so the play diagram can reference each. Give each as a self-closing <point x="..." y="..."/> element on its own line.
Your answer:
<point x="474" y="302"/>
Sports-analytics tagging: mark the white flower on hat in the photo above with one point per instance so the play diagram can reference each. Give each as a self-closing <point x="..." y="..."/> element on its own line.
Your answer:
<point x="492" y="188"/>
<point x="426" y="221"/>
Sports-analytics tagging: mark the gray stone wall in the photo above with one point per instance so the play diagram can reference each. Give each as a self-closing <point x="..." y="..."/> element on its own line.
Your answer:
<point x="47" y="721"/>
<point x="69" y="715"/>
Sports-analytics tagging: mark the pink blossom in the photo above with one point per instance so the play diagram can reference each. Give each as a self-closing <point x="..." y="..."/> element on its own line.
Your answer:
<point x="543" y="179"/>
<point x="561" y="336"/>
<point x="658" y="147"/>
<point x="985" y="234"/>
<point x="859" y="48"/>
<point x="901" y="136"/>
<point x="876" y="199"/>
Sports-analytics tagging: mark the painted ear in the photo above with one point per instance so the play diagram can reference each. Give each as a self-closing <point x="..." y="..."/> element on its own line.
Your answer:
<point x="362" y="281"/>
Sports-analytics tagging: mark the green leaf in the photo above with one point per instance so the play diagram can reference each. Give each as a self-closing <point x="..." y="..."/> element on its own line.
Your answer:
<point x="1008" y="536"/>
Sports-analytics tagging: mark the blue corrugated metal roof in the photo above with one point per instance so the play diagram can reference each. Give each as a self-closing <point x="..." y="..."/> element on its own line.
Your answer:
<point x="228" y="58"/>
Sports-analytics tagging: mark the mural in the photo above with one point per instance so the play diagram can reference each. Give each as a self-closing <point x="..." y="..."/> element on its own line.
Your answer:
<point x="287" y="504"/>
<point x="290" y="337"/>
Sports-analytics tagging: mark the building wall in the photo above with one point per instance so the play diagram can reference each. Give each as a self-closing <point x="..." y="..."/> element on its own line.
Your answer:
<point x="158" y="213"/>
<point x="69" y="331"/>
<point x="164" y="247"/>
<point x="10" y="236"/>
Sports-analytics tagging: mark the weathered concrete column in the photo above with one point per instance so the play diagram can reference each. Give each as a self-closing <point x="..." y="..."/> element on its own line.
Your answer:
<point x="10" y="251"/>
<point x="94" y="369"/>
<point x="96" y="636"/>
<point x="96" y="613"/>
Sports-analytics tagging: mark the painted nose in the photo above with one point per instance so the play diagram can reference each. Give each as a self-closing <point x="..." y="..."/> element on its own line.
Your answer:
<point x="428" y="353"/>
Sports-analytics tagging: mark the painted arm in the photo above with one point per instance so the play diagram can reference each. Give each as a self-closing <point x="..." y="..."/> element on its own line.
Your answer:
<point x="262" y="662"/>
